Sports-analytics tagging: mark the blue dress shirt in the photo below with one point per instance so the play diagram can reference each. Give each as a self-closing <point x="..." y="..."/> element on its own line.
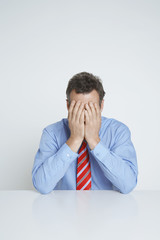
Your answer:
<point x="113" y="161"/>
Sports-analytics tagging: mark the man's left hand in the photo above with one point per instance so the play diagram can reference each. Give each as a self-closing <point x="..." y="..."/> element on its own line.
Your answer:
<point x="92" y="124"/>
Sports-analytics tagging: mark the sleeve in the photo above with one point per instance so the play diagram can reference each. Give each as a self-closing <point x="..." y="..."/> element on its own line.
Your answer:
<point x="119" y="163"/>
<point x="50" y="163"/>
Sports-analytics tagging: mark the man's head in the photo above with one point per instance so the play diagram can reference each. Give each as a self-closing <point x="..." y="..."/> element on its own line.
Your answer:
<point x="85" y="87"/>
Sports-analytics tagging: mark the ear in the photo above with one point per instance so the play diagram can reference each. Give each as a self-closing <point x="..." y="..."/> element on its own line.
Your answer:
<point x="67" y="103"/>
<point x="102" y="105"/>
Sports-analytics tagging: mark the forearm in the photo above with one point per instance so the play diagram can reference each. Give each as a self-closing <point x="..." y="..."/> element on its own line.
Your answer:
<point x="46" y="175"/>
<point x="121" y="172"/>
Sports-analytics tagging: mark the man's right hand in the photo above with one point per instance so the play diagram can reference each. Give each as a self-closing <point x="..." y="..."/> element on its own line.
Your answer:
<point x="76" y="125"/>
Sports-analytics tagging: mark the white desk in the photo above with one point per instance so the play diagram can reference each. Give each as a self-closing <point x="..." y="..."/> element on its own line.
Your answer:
<point x="28" y="215"/>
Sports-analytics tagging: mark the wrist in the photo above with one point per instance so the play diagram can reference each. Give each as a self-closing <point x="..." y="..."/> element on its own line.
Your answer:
<point x="74" y="143"/>
<point x="75" y="140"/>
<point x="93" y="143"/>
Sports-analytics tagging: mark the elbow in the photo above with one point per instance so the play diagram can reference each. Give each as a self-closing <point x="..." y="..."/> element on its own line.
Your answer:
<point x="129" y="187"/>
<point x="126" y="190"/>
<point x="41" y="188"/>
<point x="44" y="190"/>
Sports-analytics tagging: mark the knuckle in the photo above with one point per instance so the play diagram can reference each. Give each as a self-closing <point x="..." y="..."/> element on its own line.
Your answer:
<point x="78" y="102"/>
<point x="72" y="102"/>
<point x="82" y="105"/>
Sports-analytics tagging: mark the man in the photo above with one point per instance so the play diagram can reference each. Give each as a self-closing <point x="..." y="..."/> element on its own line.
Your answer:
<point x="85" y="151"/>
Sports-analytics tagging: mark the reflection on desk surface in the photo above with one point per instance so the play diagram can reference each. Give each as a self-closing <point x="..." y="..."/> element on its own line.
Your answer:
<point x="76" y="215"/>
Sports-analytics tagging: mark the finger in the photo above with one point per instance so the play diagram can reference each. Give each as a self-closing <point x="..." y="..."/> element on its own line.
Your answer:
<point x="71" y="109"/>
<point x="97" y="108"/>
<point x="89" y="111"/>
<point x="81" y="107"/>
<point x="93" y="109"/>
<point x="81" y="119"/>
<point x="75" y="110"/>
<point x="86" y="116"/>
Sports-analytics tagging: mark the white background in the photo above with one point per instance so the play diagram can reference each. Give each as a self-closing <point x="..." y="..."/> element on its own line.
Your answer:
<point x="44" y="43"/>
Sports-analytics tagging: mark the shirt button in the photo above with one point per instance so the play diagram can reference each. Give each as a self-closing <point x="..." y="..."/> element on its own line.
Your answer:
<point x="67" y="155"/>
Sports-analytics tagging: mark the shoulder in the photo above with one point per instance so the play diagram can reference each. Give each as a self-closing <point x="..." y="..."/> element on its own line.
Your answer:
<point x="55" y="128"/>
<point x="115" y="125"/>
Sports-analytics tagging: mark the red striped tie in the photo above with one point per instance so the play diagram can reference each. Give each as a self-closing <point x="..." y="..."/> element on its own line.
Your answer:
<point x="83" y="169"/>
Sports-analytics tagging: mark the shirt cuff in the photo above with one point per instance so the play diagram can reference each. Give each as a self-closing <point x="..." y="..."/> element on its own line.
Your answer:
<point x="102" y="154"/>
<point x="67" y="153"/>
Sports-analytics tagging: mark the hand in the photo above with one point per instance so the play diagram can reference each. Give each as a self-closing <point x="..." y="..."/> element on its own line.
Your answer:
<point x="76" y="124"/>
<point x="92" y="124"/>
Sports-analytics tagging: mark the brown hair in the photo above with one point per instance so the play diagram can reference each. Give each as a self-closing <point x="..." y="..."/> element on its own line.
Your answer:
<point x="85" y="82"/>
